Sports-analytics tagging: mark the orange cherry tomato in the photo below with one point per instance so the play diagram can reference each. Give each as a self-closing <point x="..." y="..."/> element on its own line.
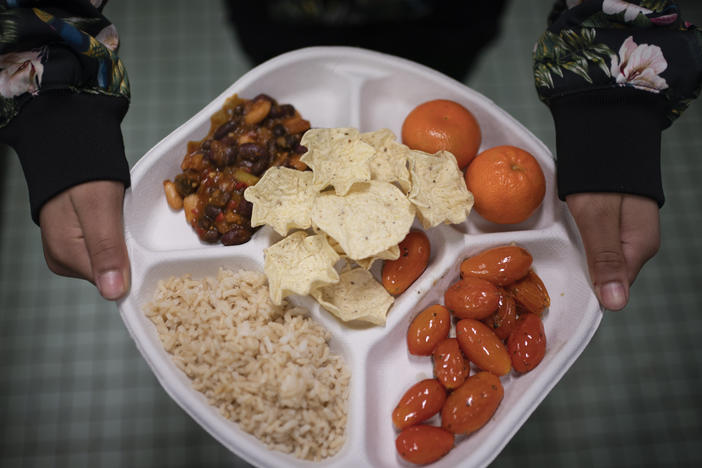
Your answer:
<point x="450" y="366"/>
<point x="472" y="298"/>
<point x="398" y="275"/>
<point x="481" y="346"/>
<point x="427" y="329"/>
<point x="503" y="320"/>
<point x="530" y="293"/>
<point x="527" y="343"/>
<point x="500" y="265"/>
<point x="422" y="401"/>
<point x="423" y="444"/>
<point x="470" y="406"/>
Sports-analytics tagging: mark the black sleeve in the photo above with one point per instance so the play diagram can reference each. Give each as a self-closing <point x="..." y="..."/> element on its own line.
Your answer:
<point x="615" y="75"/>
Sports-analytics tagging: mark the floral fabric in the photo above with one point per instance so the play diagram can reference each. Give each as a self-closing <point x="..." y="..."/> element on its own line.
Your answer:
<point x="65" y="45"/>
<point x="598" y="44"/>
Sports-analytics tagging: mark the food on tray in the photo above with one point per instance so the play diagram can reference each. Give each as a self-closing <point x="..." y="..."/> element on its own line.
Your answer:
<point x="530" y="293"/>
<point x="450" y="367"/>
<point x="357" y="296"/>
<point x="246" y="138"/>
<point x="428" y="329"/>
<point x="363" y="192"/>
<point x="298" y="264"/>
<point x="282" y="199"/>
<point x="470" y="406"/>
<point x="507" y="183"/>
<point x="471" y="297"/>
<point x="527" y="342"/>
<point x="438" y="189"/>
<point x="399" y="274"/>
<point x="419" y="403"/>
<point x="443" y="124"/>
<point x="338" y="158"/>
<point x="482" y="347"/>
<point x="371" y="218"/>
<point x="268" y="368"/>
<point x="422" y="444"/>
<point x="500" y="265"/>
<point x="495" y="333"/>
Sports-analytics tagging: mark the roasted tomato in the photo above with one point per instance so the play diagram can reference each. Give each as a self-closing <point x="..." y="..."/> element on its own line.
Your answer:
<point x="427" y="329"/>
<point x="500" y="265"/>
<point x="422" y="401"/>
<point x="470" y="406"/>
<point x="399" y="274"/>
<point x="527" y="343"/>
<point x="423" y="444"/>
<point x="482" y="347"/>
<point x="472" y="298"/>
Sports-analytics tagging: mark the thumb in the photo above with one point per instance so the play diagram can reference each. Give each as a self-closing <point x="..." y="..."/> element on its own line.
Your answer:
<point x="98" y="205"/>
<point x="598" y="217"/>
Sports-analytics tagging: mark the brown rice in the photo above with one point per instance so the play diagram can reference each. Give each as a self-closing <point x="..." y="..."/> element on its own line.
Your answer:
<point x="269" y="368"/>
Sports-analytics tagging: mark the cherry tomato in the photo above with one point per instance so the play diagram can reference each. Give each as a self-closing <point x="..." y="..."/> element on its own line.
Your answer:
<point x="481" y="346"/>
<point x="530" y="293"/>
<point x="423" y="444"/>
<point x="527" y="342"/>
<point x="499" y="265"/>
<point x="472" y="298"/>
<point x="398" y="275"/>
<point x="422" y="401"/>
<point x="503" y="320"/>
<point x="470" y="406"/>
<point x="450" y="366"/>
<point x="427" y="329"/>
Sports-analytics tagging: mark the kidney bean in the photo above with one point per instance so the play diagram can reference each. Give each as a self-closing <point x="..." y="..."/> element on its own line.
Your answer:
<point x="221" y="154"/>
<point x="252" y="151"/>
<point x="237" y="235"/>
<point x="225" y="128"/>
<point x="283" y="110"/>
<point x="211" y="236"/>
<point x="212" y="211"/>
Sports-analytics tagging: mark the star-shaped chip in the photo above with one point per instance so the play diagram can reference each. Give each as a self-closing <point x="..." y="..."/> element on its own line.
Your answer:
<point x="389" y="163"/>
<point x="283" y="199"/>
<point x="298" y="264"/>
<point x="337" y="157"/>
<point x="438" y="189"/>
<point x="370" y="218"/>
<point x="357" y="296"/>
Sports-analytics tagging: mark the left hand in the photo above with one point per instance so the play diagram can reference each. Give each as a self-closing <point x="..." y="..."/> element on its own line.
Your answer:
<point x="82" y="235"/>
<point x="620" y="232"/>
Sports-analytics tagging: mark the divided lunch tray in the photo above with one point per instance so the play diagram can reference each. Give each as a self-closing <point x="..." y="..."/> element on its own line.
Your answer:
<point x="349" y="87"/>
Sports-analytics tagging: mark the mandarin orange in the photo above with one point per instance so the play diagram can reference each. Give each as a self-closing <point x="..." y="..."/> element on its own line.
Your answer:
<point x="507" y="183"/>
<point x="442" y="124"/>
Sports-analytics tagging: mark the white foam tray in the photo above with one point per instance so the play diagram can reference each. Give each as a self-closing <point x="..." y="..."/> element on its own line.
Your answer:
<point x="335" y="87"/>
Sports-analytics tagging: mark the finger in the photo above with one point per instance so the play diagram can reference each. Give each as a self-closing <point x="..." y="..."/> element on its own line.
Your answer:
<point x="62" y="239"/>
<point x="98" y="206"/>
<point x="641" y="233"/>
<point x="597" y="216"/>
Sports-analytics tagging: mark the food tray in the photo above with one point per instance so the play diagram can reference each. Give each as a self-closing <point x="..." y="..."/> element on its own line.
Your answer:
<point x="349" y="87"/>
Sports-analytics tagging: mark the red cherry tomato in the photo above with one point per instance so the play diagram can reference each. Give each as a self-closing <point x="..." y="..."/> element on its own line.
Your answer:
<point x="472" y="298"/>
<point x="527" y="342"/>
<point x="398" y="275"/>
<point x="427" y="329"/>
<point x="470" y="406"/>
<point x="450" y="367"/>
<point x="482" y="347"/>
<point x="423" y="444"/>
<point x="422" y="401"/>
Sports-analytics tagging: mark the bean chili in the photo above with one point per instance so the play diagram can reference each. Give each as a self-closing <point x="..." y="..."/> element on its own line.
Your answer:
<point x="246" y="137"/>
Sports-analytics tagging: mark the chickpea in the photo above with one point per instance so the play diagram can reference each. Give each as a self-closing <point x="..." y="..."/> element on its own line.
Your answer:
<point x="174" y="200"/>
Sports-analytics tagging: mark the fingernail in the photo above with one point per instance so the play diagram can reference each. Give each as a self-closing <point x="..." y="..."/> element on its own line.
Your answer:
<point x="111" y="284"/>
<point x="613" y="295"/>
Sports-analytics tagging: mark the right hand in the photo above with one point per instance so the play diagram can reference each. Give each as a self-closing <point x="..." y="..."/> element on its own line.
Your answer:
<point x="82" y="236"/>
<point x="620" y="232"/>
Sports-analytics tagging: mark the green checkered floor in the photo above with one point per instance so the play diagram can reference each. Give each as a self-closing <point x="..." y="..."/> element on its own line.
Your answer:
<point x="75" y="392"/>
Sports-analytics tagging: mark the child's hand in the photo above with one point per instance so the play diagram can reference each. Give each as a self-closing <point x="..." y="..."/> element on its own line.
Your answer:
<point x="621" y="233"/>
<point x="82" y="235"/>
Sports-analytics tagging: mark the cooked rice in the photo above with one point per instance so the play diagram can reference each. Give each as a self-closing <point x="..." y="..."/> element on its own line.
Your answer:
<point x="268" y="368"/>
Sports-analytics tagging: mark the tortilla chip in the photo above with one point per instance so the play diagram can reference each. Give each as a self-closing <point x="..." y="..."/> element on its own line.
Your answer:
<point x="389" y="163"/>
<point x="357" y="296"/>
<point x="283" y="199"/>
<point x="438" y="189"/>
<point x="298" y="264"/>
<point x="337" y="157"/>
<point x="369" y="219"/>
<point x="393" y="253"/>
